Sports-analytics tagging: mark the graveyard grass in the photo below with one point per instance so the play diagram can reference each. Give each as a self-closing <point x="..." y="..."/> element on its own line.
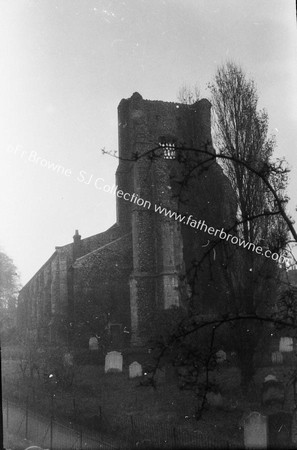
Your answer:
<point x="116" y="398"/>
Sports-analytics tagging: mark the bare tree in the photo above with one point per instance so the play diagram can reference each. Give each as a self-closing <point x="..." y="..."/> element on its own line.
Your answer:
<point x="241" y="132"/>
<point x="188" y="94"/>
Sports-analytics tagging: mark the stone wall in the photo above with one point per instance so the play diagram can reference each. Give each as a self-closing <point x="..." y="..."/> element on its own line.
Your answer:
<point x="47" y="299"/>
<point x="101" y="290"/>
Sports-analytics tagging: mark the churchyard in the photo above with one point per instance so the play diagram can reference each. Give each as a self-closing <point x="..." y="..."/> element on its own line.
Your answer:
<point x="116" y="399"/>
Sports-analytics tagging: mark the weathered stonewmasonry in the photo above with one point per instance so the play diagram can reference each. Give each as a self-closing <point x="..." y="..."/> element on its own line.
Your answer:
<point x="46" y="302"/>
<point x="117" y="280"/>
<point x="163" y="249"/>
<point x="101" y="292"/>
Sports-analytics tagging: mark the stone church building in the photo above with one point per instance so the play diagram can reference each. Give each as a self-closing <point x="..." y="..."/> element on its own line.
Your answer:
<point x="111" y="285"/>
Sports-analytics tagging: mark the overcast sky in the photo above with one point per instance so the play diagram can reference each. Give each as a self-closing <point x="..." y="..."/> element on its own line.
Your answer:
<point x="65" y="66"/>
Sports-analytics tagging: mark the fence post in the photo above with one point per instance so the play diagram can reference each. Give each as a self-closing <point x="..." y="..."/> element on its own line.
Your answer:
<point x="132" y="424"/>
<point x="27" y="413"/>
<point x="51" y="433"/>
<point x="132" y="429"/>
<point x="80" y="440"/>
<point x="174" y="437"/>
<point x="74" y="409"/>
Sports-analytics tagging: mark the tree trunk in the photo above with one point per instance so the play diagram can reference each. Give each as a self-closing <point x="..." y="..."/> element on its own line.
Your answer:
<point x="246" y="335"/>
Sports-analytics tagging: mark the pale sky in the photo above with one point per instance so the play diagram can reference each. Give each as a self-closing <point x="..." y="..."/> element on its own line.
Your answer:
<point x="65" y="66"/>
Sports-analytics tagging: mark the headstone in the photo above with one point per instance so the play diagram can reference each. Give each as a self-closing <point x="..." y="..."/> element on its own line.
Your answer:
<point x="277" y="358"/>
<point x="255" y="431"/>
<point x="270" y="378"/>
<point x="113" y="362"/>
<point x="135" y="370"/>
<point x="221" y="356"/>
<point x="93" y="343"/>
<point x="286" y="344"/>
<point x="273" y="392"/>
<point x="34" y="447"/>
<point x="280" y="430"/>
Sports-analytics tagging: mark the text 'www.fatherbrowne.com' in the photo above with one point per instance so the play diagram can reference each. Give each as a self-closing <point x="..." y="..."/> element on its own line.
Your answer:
<point x="219" y="232"/>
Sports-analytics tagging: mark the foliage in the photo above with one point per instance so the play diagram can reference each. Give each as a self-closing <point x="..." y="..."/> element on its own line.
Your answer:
<point x="54" y="365"/>
<point x="9" y="287"/>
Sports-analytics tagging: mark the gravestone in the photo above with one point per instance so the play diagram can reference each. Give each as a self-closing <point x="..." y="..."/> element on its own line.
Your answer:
<point x="273" y="393"/>
<point x="34" y="447"/>
<point x="113" y="362"/>
<point x="270" y="378"/>
<point x="280" y="430"/>
<point x="135" y="370"/>
<point x="286" y="344"/>
<point x="277" y="358"/>
<point x="221" y="356"/>
<point x="93" y="344"/>
<point x="255" y="431"/>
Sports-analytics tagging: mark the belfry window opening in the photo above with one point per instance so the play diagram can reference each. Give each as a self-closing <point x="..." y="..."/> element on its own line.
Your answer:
<point x="169" y="151"/>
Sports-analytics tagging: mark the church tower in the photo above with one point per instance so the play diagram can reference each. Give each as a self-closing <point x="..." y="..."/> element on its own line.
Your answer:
<point x="158" y="259"/>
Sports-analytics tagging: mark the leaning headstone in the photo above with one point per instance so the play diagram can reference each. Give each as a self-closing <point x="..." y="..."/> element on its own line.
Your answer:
<point x="135" y="370"/>
<point x="255" y="431"/>
<point x="93" y="343"/>
<point x="221" y="356"/>
<point x="277" y="358"/>
<point x="280" y="430"/>
<point x="113" y="362"/>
